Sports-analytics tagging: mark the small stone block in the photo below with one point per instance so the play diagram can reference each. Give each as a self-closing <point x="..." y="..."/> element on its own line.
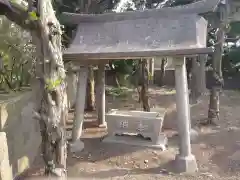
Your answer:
<point x="146" y="124"/>
<point x="76" y="146"/>
<point x="186" y="164"/>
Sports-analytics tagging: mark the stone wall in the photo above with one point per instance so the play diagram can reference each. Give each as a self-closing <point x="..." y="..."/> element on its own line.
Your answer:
<point x="20" y="136"/>
<point x="19" y="133"/>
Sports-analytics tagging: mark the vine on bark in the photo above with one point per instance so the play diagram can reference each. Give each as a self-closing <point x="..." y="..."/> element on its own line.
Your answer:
<point x="53" y="109"/>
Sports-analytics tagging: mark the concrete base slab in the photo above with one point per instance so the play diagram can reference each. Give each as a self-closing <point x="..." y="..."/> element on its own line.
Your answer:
<point x="186" y="164"/>
<point x="76" y="146"/>
<point x="137" y="141"/>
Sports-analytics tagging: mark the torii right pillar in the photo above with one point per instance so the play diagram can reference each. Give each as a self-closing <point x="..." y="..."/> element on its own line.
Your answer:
<point x="185" y="160"/>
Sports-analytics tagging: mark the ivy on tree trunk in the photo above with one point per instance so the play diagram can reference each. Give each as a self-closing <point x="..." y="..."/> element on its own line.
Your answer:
<point x="217" y="80"/>
<point x="53" y="110"/>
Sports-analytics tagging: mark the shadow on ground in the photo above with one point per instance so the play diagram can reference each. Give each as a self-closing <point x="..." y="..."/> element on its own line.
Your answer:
<point x="222" y="147"/>
<point x="95" y="150"/>
<point x="111" y="173"/>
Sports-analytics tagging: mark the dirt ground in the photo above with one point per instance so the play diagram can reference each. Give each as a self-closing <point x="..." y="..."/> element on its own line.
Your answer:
<point x="217" y="149"/>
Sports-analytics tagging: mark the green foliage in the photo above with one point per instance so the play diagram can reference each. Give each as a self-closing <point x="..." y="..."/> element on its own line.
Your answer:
<point x="117" y="92"/>
<point x="235" y="28"/>
<point x="150" y="76"/>
<point x="123" y="66"/>
<point x="17" y="56"/>
<point x="231" y="57"/>
<point x="33" y="16"/>
<point x="52" y="84"/>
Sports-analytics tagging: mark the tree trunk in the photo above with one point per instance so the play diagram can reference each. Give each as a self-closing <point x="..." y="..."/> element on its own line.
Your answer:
<point x="162" y="72"/>
<point x="198" y="80"/>
<point x="217" y="80"/>
<point x="202" y="74"/>
<point x="194" y="86"/>
<point x="53" y="110"/>
<point x="90" y="100"/>
<point x="189" y="70"/>
<point x="144" y="85"/>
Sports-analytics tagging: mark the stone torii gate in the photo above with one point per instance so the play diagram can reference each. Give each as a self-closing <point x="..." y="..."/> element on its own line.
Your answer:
<point x="175" y="32"/>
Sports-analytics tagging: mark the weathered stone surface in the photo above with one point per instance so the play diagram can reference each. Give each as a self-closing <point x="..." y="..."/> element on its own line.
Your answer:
<point x="5" y="169"/>
<point x="104" y="40"/>
<point x="147" y="124"/>
<point x="22" y="130"/>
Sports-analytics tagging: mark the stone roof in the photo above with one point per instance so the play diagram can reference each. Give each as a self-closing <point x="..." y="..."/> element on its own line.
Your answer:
<point x="199" y="7"/>
<point x="140" y="34"/>
<point x="182" y="35"/>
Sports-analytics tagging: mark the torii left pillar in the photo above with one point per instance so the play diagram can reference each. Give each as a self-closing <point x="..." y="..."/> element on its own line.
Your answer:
<point x="77" y="145"/>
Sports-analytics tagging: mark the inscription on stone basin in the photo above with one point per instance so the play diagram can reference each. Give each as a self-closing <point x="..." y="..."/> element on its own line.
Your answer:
<point x="138" y="126"/>
<point x="147" y="124"/>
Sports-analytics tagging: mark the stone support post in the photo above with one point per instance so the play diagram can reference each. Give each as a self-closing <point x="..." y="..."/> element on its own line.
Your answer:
<point x="185" y="161"/>
<point x="77" y="145"/>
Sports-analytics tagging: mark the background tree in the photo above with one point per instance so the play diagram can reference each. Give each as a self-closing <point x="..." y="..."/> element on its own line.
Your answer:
<point x="17" y="56"/>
